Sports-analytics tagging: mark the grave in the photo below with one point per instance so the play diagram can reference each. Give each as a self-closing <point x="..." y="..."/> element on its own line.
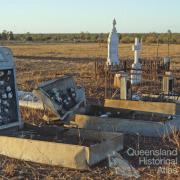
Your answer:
<point x="126" y="121"/>
<point x="53" y="145"/>
<point x="71" y="148"/>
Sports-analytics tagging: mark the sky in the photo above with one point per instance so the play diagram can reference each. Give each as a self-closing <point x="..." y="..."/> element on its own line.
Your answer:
<point x="94" y="16"/>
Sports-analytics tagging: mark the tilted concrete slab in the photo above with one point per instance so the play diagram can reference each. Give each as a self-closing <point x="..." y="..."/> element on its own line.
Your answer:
<point x="156" y="107"/>
<point x="61" y="154"/>
<point x="138" y="127"/>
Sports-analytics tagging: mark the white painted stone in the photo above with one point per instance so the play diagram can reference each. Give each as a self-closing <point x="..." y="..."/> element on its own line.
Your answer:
<point x="136" y="66"/>
<point x="113" y="43"/>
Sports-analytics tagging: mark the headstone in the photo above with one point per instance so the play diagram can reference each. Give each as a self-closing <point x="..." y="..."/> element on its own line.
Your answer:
<point x="9" y="106"/>
<point x="113" y="43"/>
<point x="61" y="96"/>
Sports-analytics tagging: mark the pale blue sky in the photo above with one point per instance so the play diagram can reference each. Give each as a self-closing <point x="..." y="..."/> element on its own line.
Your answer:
<point x="68" y="16"/>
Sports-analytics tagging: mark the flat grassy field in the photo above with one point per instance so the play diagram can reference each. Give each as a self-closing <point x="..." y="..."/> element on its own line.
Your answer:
<point x="39" y="62"/>
<point x="85" y="50"/>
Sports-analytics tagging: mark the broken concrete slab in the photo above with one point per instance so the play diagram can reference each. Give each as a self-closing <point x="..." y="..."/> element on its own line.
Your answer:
<point x="122" y="167"/>
<point x="28" y="145"/>
<point x="145" y="128"/>
<point x="156" y="107"/>
<point x="32" y="105"/>
<point x="129" y="126"/>
<point x="29" y="100"/>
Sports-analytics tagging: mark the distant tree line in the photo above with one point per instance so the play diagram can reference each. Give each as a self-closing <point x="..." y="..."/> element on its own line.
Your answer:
<point x="153" y="37"/>
<point x="6" y="35"/>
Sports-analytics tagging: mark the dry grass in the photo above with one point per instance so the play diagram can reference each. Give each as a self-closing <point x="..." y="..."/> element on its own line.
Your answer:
<point x="85" y="50"/>
<point x="9" y="169"/>
<point x="174" y="138"/>
<point x="31" y="72"/>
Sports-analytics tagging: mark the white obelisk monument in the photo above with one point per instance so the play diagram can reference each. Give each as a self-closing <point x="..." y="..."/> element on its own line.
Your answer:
<point x="113" y="43"/>
<point x="136" y="66"/>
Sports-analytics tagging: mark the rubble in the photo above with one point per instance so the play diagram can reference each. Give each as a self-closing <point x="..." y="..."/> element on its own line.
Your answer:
<point x="121" y="166"/>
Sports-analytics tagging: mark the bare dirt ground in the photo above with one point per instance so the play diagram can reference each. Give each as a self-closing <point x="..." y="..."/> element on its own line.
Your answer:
<point x="36" y="63"/>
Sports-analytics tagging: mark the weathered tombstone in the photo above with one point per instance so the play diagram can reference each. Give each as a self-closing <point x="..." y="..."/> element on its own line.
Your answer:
<point x="9" y="106"/>
<point x="61" y="96"/>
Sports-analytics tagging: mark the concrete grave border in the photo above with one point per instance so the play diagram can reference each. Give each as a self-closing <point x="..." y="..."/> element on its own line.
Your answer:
<point x="129" y="126"/>
<point x="61" y="154"/>
<point x="146" y="106"/>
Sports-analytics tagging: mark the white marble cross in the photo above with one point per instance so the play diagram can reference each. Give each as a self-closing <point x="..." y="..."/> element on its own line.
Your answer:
<point x="136" y="66"/>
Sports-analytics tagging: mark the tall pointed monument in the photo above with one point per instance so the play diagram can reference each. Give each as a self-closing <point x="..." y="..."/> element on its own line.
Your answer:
<point x="113" y="43"/>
